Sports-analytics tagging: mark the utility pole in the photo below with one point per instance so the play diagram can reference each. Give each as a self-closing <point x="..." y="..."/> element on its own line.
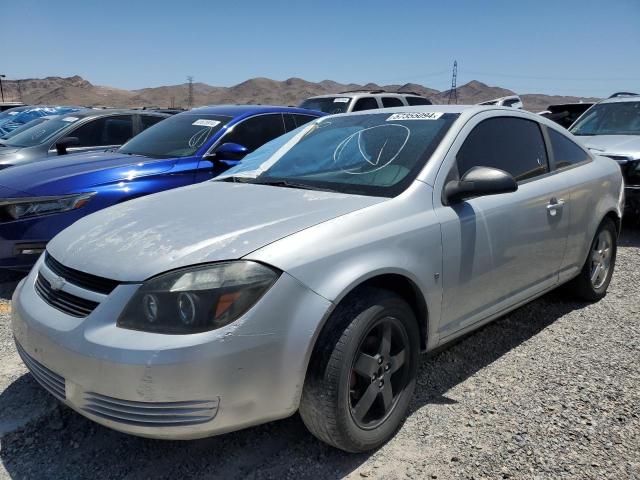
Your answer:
<point x="190" y="97"/>
<point x="18" y="82"/>
<point x="173" y="102"/>
<point x="2" y="91"/>
<point x="453" y="93"/>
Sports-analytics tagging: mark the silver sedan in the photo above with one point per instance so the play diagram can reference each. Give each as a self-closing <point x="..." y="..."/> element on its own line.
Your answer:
<point x="312" y="275"/>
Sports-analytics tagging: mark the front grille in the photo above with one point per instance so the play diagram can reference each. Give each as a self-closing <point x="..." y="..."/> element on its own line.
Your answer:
<point x="150" y="414"/>
<point x="63" y="301"/>
<point x="80" y="279"/>
<point x="52" y="382"/>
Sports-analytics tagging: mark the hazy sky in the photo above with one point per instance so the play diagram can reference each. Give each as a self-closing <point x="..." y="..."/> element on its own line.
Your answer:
<point x="560" y="47"/>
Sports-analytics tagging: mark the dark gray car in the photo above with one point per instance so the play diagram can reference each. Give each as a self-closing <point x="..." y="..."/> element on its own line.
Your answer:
<point x="81" y="131"/>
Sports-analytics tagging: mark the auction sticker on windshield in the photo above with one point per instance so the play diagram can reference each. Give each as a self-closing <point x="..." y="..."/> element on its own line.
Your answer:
<point x="203" y="122"/>
<point x="341" y="100"/>
<point x="415" y="116"/>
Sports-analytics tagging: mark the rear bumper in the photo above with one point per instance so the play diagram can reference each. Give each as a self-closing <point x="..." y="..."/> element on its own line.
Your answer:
<point x="171" y="386"/>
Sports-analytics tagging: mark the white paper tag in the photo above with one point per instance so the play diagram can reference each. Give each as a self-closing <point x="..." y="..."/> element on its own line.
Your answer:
<point x="415" y="116"/>
<point x="203" y="122"/>
<point x="69" y="119"/>
<point x="341" y="100"/>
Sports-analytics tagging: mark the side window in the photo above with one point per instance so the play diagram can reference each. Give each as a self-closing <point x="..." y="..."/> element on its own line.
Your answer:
<point x="302" y="119"/>
<point x="104" y="131"/>
<point x="289" y="122"/>
<point x="256" y="131"/>
<point x="418" y="101"/>
<point x="391" y="102"/>
<point x="514" y="145"/>
<point x="147" y="121"/>
<point x="565" y="152"/>
<point x="366" y="103"/>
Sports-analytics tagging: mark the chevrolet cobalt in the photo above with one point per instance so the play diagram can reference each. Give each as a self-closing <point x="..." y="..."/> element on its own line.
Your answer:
<point x="311" y="275"/>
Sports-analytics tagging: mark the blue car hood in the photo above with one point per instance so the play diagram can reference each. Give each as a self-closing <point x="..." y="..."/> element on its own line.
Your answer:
<point x="80" y="172"/>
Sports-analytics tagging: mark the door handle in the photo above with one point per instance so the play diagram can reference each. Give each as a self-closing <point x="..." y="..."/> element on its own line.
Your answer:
<point x="555" y="206"/>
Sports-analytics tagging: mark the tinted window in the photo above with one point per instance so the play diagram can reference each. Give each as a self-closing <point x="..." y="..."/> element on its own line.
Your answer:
<point x="289" y="122"/>
<point x="302" y="119"/>
<point x="256" y="131"/>
<point x="565" y="152"/>
<point x="391" y="102"/>
<point x="104" y="131"/>
<point x="327" y="104"/>
<point x="418" y="101"/>
<point x="511" y="144"/>
<point x="367" y="103"/>
<point x="510" y="103"/>
<point x="147" y="121"/>
<point x="178" y="136"/>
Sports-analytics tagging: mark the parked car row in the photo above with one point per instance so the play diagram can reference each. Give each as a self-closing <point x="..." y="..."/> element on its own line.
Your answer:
<point x="321" y="257"/>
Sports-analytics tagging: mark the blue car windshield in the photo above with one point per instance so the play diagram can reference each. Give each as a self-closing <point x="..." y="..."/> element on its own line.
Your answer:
<point x="618" y="118"/>
<point x="369" y="154"/>
<point x="178" y="136"/>
<point x="41" y="133"/>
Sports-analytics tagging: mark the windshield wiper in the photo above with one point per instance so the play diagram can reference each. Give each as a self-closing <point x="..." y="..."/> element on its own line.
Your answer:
<point x="289" y="184"/>
<point x="235" y="179"/>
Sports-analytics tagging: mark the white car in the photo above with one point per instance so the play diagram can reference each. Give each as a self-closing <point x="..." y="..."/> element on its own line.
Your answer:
<point x="359" y="100"/>
<point x="513" y="101"/>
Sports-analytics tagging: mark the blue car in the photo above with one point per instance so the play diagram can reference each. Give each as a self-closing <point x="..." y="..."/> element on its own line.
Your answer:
<point x="40" y="199"/>
<point x="21" y="115"/>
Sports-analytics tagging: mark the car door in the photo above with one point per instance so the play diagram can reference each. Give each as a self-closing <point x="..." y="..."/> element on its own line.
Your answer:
<point x="102" y="133"/>
<point x="502" y="249"/>
<point x="252" y="132"/>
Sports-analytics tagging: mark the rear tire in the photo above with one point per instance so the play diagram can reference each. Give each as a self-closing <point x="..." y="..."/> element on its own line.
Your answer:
<point x="362" y="372"/>
<point x="592" y="282"/>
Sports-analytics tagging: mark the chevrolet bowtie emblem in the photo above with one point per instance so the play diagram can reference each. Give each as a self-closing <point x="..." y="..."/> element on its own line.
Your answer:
<point x="57" y="283"/>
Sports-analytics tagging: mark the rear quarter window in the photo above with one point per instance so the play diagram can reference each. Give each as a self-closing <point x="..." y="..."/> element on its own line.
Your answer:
<point x="565" y="152"/>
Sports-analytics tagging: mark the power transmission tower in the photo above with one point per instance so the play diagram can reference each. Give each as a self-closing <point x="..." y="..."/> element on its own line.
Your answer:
<point x="190" y="97"/>
<point x="453" y="93"/>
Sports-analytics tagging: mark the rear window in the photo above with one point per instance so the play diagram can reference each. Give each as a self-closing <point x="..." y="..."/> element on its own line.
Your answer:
<point x="565" y="152"/>
<point x="327" y="104"/>
<point x="418" y="101"/>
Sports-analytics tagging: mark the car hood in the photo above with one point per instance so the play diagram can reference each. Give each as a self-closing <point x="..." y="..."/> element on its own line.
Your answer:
<point x="8" y="151"/>
<point x="207" y="222"/>
<point x="618" y="144"/>
<point x="79" y="172"/>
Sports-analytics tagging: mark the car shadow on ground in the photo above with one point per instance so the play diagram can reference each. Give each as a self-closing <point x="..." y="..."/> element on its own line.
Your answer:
<point x="8" y="282"/>
<point x="63" y="444"/>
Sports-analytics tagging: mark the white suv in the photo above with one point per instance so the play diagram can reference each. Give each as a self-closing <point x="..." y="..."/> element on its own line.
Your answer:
<point x="357" y="100"/>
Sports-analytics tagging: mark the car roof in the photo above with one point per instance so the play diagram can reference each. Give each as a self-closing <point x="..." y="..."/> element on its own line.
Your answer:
<point x="628" y="98"/>
<point x="241" y="110"/>
<point x="367" y="93"/>
<point x="101" y="112"/>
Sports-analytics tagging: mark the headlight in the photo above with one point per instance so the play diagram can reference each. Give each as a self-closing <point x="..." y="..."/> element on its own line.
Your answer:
<point x="197" y="299"/>
<point x="17" y="208"/>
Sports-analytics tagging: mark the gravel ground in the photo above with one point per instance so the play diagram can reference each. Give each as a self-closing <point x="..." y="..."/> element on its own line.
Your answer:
<point x="550" y="391"/>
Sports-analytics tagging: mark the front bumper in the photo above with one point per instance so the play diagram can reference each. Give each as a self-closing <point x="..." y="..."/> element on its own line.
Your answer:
<point x="172" y="386"/>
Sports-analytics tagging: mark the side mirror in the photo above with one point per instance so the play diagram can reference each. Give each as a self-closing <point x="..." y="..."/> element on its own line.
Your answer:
<point x="479" y="181"/>
<point x="230" y="151"/>
<point x="66" y="142"/>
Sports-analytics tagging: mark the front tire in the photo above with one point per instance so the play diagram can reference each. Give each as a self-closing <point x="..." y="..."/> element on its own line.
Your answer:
<point x="362" y="372"/>
<point x="592" y="282"/>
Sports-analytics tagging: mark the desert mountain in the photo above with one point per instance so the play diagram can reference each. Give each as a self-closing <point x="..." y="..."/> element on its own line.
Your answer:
<point x="78" y="91"/>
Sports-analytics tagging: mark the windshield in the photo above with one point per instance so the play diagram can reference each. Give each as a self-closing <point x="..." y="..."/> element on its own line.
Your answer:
<point x="327" y="104"/>
<point x="370" y="154"/>
<point x="178" y="136"/>
<point x="41" y="133"/>
<point x="610" y="119"/>
<point x="24" y="127"/>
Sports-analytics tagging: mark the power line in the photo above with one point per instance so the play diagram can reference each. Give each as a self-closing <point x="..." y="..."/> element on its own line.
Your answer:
<point x="532" y="77"/>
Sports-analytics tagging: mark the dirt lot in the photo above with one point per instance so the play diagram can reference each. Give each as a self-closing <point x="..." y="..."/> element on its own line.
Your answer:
<point x="549" y="391"/>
